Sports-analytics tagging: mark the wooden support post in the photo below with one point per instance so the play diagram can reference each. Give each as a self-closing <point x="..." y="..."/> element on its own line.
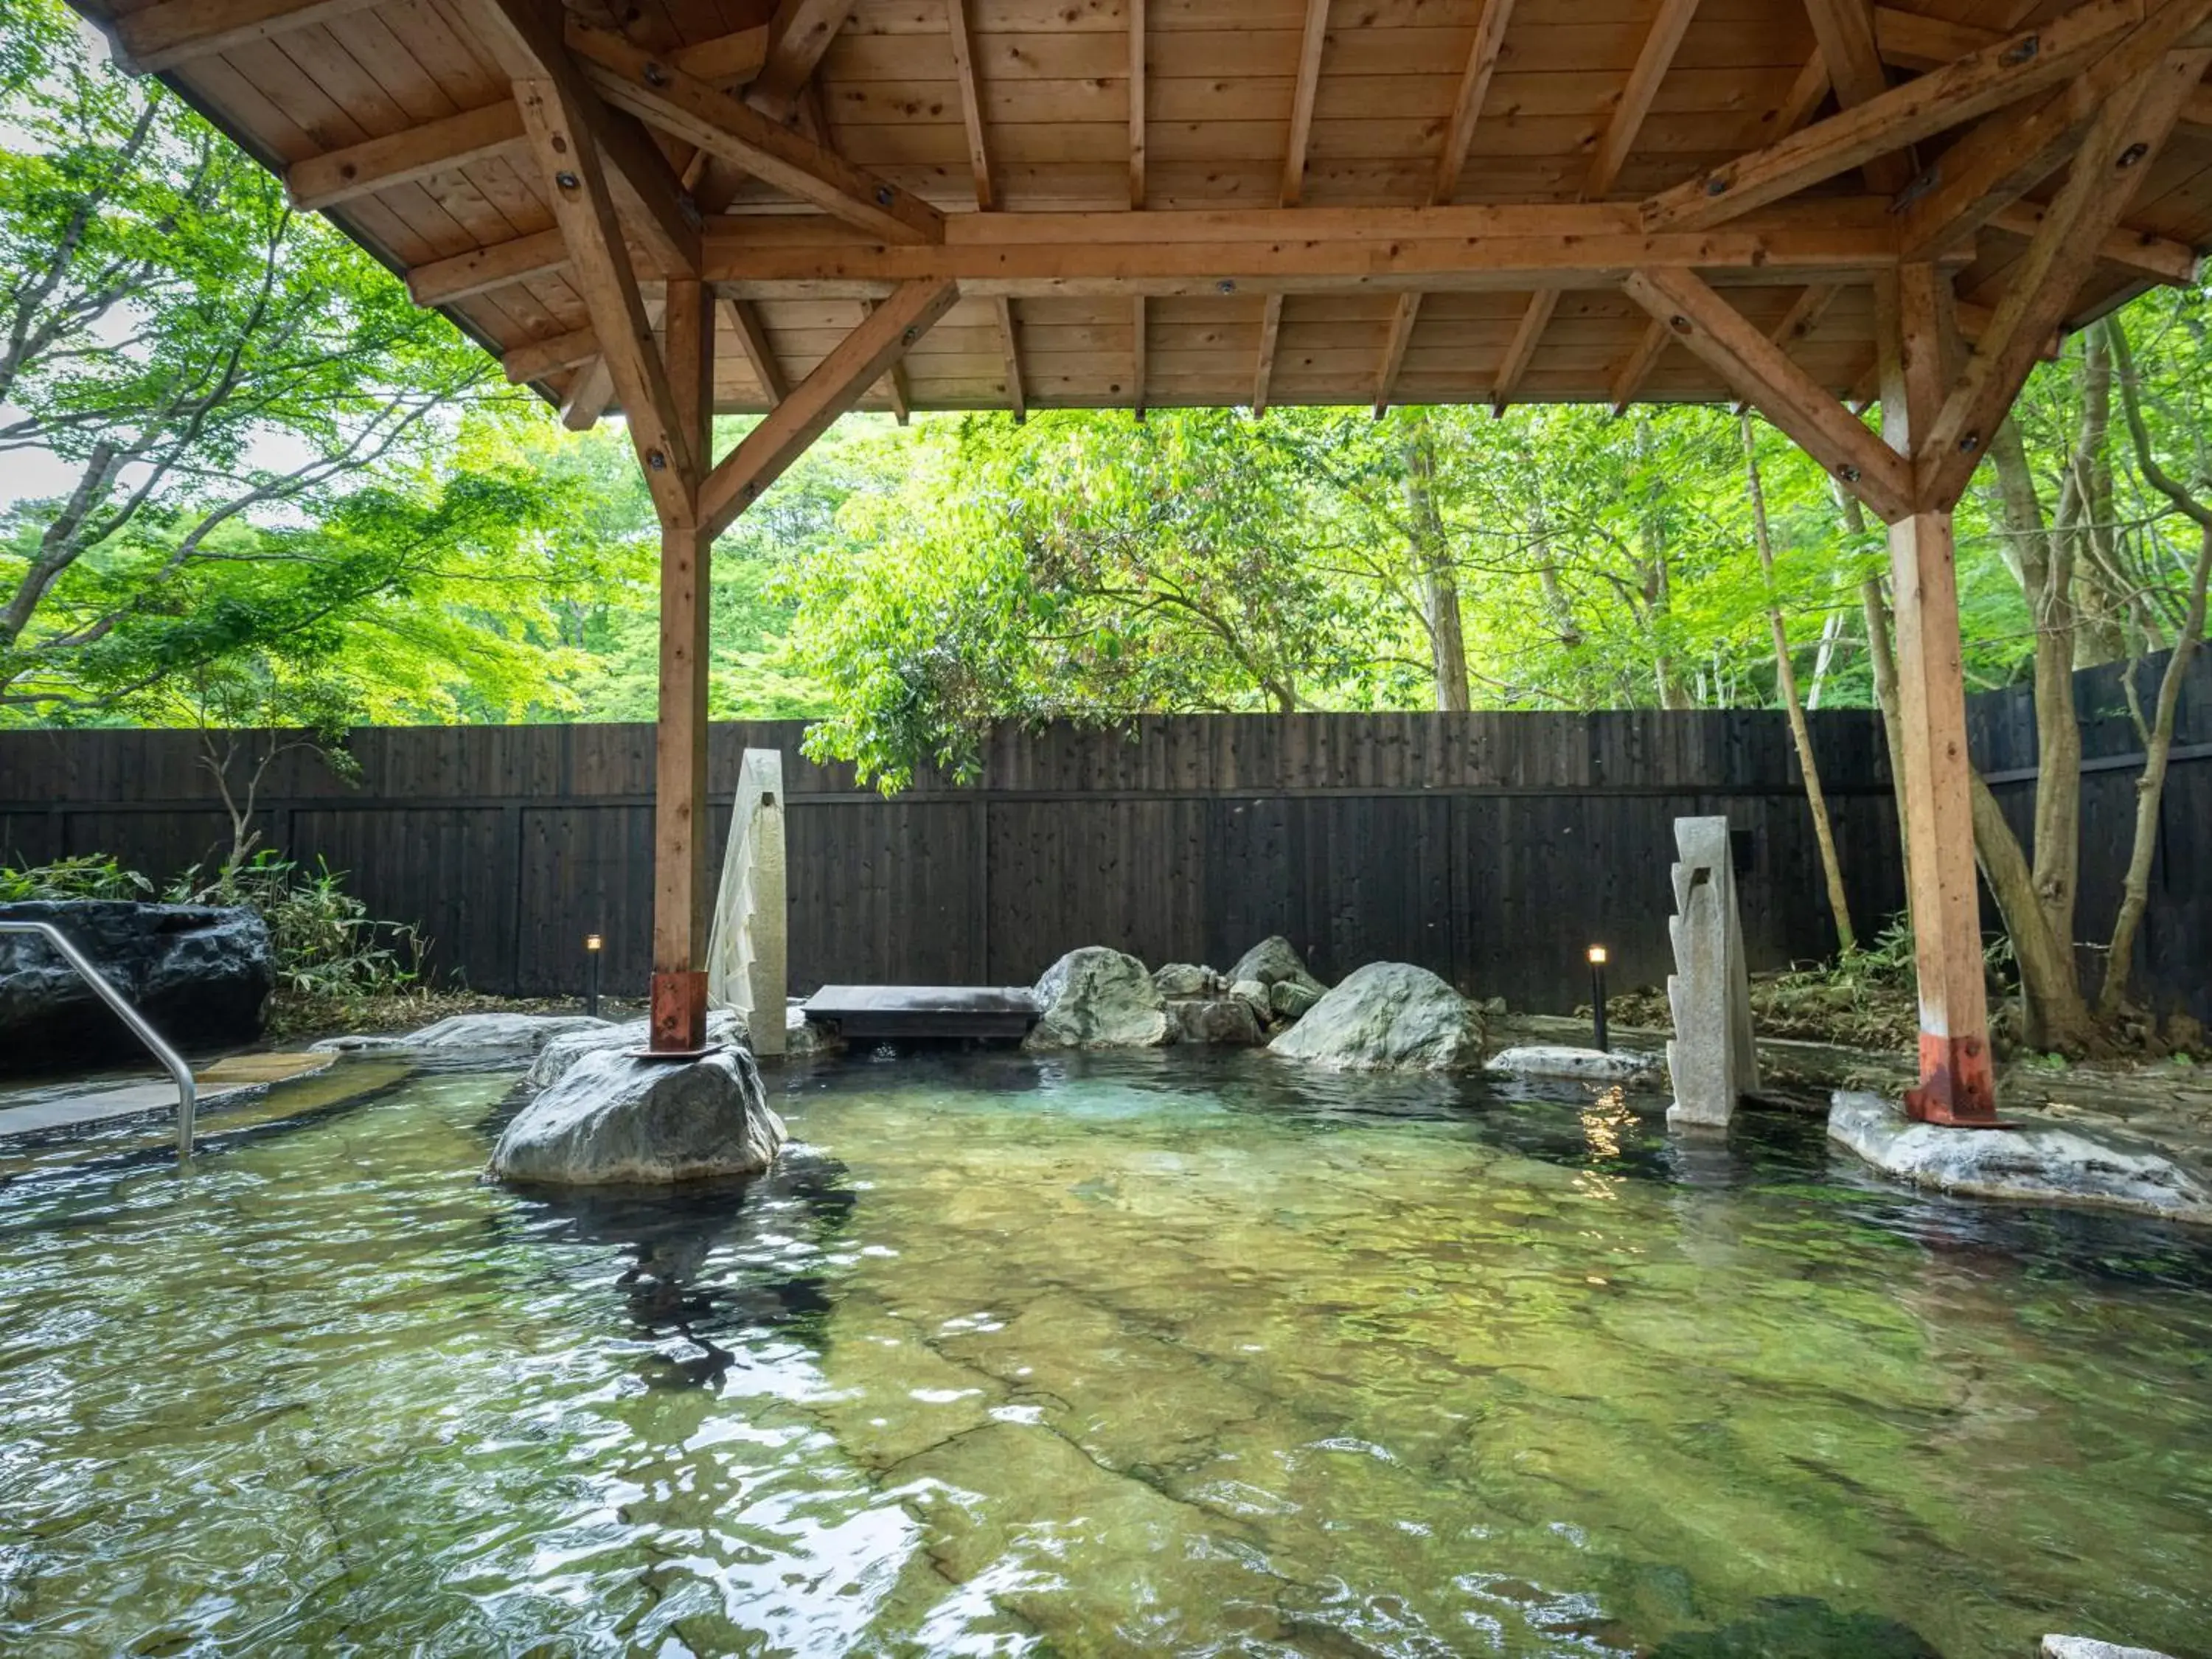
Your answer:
<point x="1957" y="1084"/>
<point x="680" y="897"/>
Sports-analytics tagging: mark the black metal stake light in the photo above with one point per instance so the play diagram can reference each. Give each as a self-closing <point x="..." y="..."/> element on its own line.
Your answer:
<point x="593" y="946"/>
<point x="1597" y="996"/>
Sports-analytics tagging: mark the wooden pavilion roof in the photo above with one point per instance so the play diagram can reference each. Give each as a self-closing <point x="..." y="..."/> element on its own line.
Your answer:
<point x="1220" y="201"/>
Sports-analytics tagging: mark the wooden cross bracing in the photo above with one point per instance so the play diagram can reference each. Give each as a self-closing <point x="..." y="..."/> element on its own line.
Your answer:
<point x="1911" y="207"/>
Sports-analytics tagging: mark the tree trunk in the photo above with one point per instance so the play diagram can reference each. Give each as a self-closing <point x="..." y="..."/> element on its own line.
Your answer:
<point x="1831" y="634"/>
<point x="2056" y="1015"/>
<point x="1881" y="661"/>
<point x="1433" y="563"/>
<point x="1785" y="679"/>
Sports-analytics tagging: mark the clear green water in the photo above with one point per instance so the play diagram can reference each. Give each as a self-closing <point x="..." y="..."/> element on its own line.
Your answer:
<point x="1182" y="1354"/>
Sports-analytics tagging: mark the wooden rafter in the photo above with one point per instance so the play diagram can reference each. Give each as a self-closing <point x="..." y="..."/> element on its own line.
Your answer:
<point x="340" y="175"/>
<point x="539" y="358"/>
<point x="1137" y="102"/>
<point x="2016" y="67"/>
<point x="1011" y="345"/>
<point x="1629" y="378"/>
<point x="2011" y="152"/>
<point x="1304" y="91"/>
<point x="480" y="271"/>
<point x="1765" y="376"/>
<point x="175" y="31"/>
<point x="600" y="270"/>
<point x="1845" y="32"/>
<point x="839" y="382"/>
<point x="797" y="37"/>
<point x="1483" y="53"/>
<point x="635" y="80"/>
<point x="2140" y="253"/>
<point x="526" y="41"/>
<point x="1653" y="59"/>
<point x="1910" y="40"/>
<point x="1139" y="329"/>
<point x="588" y="395"/>
<point x="2113" y="159"/>
<point x="971" y="102"/>
<point x="894" y="378"/>
<point x="1801" y="319"/>
<point x="752" y="340"/>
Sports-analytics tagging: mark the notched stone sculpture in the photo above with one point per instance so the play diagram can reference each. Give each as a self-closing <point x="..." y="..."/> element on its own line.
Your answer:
<point x="1710" y="1058"/>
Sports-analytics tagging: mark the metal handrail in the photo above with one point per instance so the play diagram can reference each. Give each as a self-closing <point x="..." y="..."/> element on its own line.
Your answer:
<point x="187" y="1091"/>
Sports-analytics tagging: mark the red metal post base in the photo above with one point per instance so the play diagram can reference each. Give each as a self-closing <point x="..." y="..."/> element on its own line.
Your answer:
<point x="679" y="1014"/>
<point x="1957" y="1085"/>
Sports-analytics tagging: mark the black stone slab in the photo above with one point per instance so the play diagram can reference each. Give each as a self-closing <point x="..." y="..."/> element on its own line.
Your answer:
<point x="925" y="1010"/>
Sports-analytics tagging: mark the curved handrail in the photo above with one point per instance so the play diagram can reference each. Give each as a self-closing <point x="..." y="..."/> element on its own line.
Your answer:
<point x="187" y="1091"/>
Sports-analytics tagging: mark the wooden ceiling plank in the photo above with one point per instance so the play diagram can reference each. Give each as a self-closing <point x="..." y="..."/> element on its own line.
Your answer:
<point x="835" y="387"/>
<point x="1763" y="375"/>
<point x="1009" y="343"/>
<point x="2016" y="67"/>
<point x="752" y="340"/>
<point x="688" y="108"/>
<point x="798" y="36"/>
<point x="340" y="175"/>
<point x="174" y="32"/>
<point x="2113" y="160"/>
<point x="600" y="270"/>
<point x="1845" y="32"/>
<point x="971" y="105"/>
<point x="2009" y="153"/>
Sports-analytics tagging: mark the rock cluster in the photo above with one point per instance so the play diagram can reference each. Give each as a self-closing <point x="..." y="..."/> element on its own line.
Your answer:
<point x="200" y="974"/>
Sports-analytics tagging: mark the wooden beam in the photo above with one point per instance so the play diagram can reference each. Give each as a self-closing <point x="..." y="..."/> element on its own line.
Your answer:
<point x="1473" y="89"/>
<point x="797" y="37"/>
<point x="1633" y="374"/>
<point x="525" y="39"/>
<point x="1303" y="94"/>
<point x="2140" y="251"/>
<point x="752" y="338"/>
<point x="2114" y="158"/>
<point x="173" y="32"/>
<point x="1845" y="32"/>
<point x="1957" y="1081"/>
<point x="834" y="387"/>
<point x="726" y="59"/>
<point x="2010" y="153"/>
<point x="1300" y="250"/>
<point x="1394" y="349"/>
<point x="1910" y="40"/>
<point x="1009" y="343"/>
<point x="599" y="271"/>
<point x="1801" y="319"/>
<point x="1137" y="367"/>
<point x="971" y="103"/>
<point x="2016" y="67"/>
<point x="633" y="79"/>
<point x="1522" y="347"/>
<point x="480" y="271"/>
<point x="1804" y="96"/>
<point x="1137" y="100"/>
<point x="1764" y="376"/>
<point x="682" y="887"/>
<point x="589" y="395"/>
<point x="1271" y="323"/>
<point x="340" y="175"/>
<point x="539" y="358"/>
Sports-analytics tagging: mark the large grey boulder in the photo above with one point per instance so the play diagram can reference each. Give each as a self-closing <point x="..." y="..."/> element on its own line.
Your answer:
<point x="2032" y="1165"/>
<point x="487" y="1037"/>
<point x="200" y="974"/>
<point x="1590" y="1065"/>
<point x="1096" y="998"/>
<point x="1226" y="1021"/>
<point x="615" y="1119"/>
<point x="1272" y="962"/>
<point x="565" y="1049"/>
<point x="1388" y="1015"/>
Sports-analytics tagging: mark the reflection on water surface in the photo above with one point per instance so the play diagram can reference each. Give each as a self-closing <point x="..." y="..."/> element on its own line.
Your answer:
<point x="1179" y="1353"/>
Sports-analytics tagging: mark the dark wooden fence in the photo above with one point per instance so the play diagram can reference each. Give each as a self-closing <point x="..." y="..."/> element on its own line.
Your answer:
<point x="1492" y="848"/>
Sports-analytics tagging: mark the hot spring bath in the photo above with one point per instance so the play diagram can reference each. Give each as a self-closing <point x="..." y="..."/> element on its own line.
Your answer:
<point x="1184" y="1353"/>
